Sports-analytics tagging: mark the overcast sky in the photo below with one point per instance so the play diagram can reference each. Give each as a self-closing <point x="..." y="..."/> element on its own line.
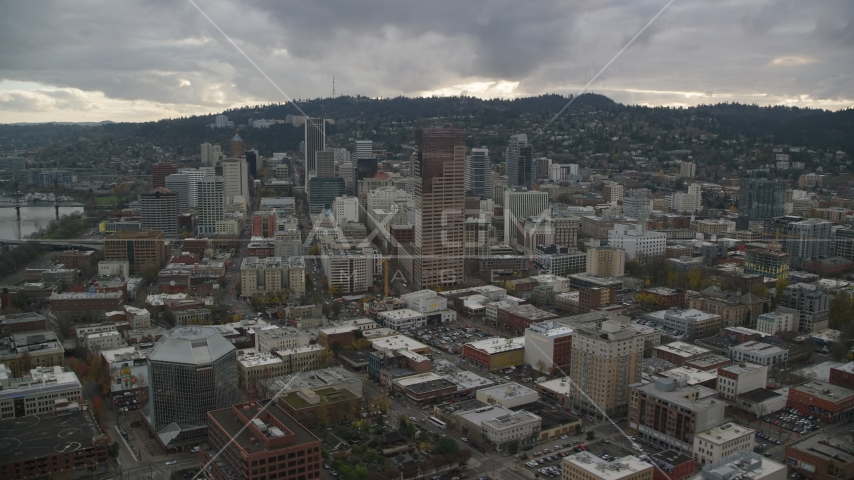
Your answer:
<point x="131" y="61"/>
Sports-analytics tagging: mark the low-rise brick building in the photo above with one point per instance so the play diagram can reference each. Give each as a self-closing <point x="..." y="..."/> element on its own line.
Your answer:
<point x="321" y="406"/>
<point x="842" y="375"/>
<point x="829" y="402"/>
<point x="254" y="442"/>
<point x="821" y="457"/>
<point x="22" y="322"/>
<point x="85" y="306"/>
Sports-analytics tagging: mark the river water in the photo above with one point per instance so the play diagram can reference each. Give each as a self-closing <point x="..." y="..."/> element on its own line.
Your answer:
<point x="32" y="219"/>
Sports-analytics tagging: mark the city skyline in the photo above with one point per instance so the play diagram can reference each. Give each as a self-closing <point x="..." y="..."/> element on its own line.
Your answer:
<point x="178" y="64"/>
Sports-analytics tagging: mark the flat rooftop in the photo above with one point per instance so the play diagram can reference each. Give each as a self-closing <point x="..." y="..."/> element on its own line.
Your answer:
<point x="507" y="390"/>
<point x="36" y="436"/>
<point x="243" y="437"/>
<point x="826" y="446"/>
<point x="758" y="395"/>
<point x="397" y="342"/>
<point x="670" y="457"/>
<point x="825" y="391"/>
<point x="691" y="375"/>
<point x="325" y="395"/>
<point x="725" y="433"/>
<point x="488" y="412"/>
<point x="614" y="470"/>
<point x="708" y="360"/>
<point x="497" y="344"/>
<point x="558" y="385"/>
<point x="742" y="368"/>
<point x="759" y="348"/>
<point x="682" y="349"/>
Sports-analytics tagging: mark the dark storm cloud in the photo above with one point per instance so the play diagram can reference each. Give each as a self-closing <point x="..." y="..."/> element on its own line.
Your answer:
<point x="166" y="56"/>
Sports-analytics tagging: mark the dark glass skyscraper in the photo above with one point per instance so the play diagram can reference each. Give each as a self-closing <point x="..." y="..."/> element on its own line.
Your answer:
<point x="191" y="371"/>
<point x="519" y="161"/>
<point x="439" y="205"/>
<point x="759" y="199"/>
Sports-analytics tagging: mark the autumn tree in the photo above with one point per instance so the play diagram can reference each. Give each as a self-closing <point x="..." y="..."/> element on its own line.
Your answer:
<point x="759" y="289"/>
<point x="782" y="283"/>
<point x="149" y="271"/>
<point x="694" y="276"/>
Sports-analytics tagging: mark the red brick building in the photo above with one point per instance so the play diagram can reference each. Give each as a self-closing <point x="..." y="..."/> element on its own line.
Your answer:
<point x="85" y="306"/>
<point x="672" y="465"/>
<point x="679" y="353"/>
<point x="821" y="457"/>
<point x="264" y="224"/>
<point x="829" y="267"/>
<point x="196" y="246"/>
<point x="829" y="402"/>
<point x="345" y="336"/>
<point x="270" y="445"/>
<point x="517" y="319"/>
<point x="159" y="172"/>
<point x="79" y="259"/>
<point x="709" y="363"/>
<point x="667" y="297"/>
<point x="22" y="322"/>
<point x="843" y="375"/>
<point x="592" y="298"/>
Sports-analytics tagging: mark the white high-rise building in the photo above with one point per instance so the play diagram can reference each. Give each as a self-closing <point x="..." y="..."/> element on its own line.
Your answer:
<point x="210" y="154"/>
<point x="478" y="180"/>
<point x="520" y="203"/>
<point x="384" y="197"/>
<point x="210" y="204"/>
<point x="221" y="121"/>
<point x="564" y="172"/>
<point x="637" y="205"/>
<point x="235" y="178"/>
<point x="180" y="184"/>
<point x="687" y="169"/>
<point x="690" y="202"/>
<point x="637" y="242"/>
<point x="364" y="149"/>
<point x="315" y="141"/>
<point x="196" y="175"/>
<point x="346" y="209"/>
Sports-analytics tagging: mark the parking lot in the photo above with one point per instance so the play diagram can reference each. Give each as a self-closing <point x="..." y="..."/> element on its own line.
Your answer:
<point x="125" y="402"/>
<point x="793" y="421"/>
<point x="449" y="338"/>
<point x="548" y="462"/>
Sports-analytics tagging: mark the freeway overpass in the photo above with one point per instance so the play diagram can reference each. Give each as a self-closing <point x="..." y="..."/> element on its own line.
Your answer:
<point x="81" y="244"/>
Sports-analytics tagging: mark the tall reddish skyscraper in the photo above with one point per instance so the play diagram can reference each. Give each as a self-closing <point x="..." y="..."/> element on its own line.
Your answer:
<point x="236" y="146"/>
<point x="159" y="172"/>
<point x="439" y="206"/>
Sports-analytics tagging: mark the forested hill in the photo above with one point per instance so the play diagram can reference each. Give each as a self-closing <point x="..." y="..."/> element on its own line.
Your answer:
<point x="364" y="117"/>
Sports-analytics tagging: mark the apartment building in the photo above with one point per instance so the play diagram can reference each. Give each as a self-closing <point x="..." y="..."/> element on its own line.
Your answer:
<point x="272" y="275"/>
<point x="605" y="360"/>
<point x="138" y="248"/>
<point x="722" y="441"/>
<point x="668" y="413"/>
<point x="740" y="378"/>
<point x="606" y="261"/>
